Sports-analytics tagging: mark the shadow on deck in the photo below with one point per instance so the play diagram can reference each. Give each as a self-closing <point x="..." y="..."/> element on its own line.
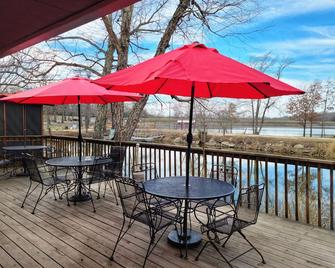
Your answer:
<point x="62" y="236"/>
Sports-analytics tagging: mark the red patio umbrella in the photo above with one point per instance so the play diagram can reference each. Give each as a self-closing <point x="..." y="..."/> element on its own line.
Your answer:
<point x="75" y="90"/>
<point x="197" y="71"/>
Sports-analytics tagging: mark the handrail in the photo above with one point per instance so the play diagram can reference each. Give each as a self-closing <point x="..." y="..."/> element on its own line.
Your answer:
<point x="296" y="188"/>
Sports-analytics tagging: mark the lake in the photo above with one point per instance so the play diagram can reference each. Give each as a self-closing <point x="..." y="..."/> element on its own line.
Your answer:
<point x="280" y="131"/>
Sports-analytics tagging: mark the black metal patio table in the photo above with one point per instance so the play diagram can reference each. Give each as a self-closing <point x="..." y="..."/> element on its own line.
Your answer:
<point x="17" y="150"/>
<point x="78" y="167"/>
<point x="24" y="148"/>
<point x="199" y="189"/>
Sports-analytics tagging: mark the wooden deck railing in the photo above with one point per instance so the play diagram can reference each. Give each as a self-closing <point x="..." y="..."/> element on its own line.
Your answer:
<point x="300" y="189"/>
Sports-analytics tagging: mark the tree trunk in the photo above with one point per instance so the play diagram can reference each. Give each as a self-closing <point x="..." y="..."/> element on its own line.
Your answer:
<point x="311" y="129"/>
<point x="126" y="132"/>
<point x="101" y="117"/>
<point x="63" y="115"/>
<point x="323" y="129"/>
<point x="133" y="118"/>
<point x="304" y="127"/>
<point x="87" y="117"/>
<point x="55" y="114"/>
<point x="100" y="122"/>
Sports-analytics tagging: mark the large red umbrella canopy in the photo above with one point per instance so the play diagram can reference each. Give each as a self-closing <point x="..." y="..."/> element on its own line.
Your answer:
<point x="211" y="74"/>
<point x="68" y="90"/>
<point x="75" y="90"/>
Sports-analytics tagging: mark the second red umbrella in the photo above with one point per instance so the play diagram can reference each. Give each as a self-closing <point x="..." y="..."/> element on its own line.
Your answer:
<point x="75" y="90"/>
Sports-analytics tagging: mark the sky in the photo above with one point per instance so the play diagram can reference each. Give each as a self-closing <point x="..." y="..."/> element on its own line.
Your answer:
<point x="302" y="31"/>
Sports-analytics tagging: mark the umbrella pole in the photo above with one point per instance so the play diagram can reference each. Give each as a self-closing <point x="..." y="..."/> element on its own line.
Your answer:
<point x="80" y="138"/>
<point x="189" y="138"/>
<point x="188" y="157"/>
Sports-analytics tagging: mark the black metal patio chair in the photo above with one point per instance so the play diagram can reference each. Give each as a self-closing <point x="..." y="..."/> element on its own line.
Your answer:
<point x="226" y="173"/>
<point x="6" y="164"/>
<point x="225" y="225"/>
<point x="144" y="172"/>
<point x="44" y="177"/>
<point x="113" y="170"/>
<point x="137" y="206"/>
<point x="94" y="174"/>
<point x="148" y="171"/>
<point x="224" y="204"/>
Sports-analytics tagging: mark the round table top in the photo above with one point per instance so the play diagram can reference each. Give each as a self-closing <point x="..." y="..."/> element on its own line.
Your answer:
<point x="200" y="188"/>
<point x="73" y="161"/>
<point x="24" y="147"/>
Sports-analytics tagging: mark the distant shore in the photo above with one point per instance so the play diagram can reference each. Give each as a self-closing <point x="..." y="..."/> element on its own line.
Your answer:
<point x="319" y="148"/>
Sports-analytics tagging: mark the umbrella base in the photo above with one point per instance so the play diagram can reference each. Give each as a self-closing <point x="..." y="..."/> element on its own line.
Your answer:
<point x="193" y="239"/>
<point x="80" y="198"/>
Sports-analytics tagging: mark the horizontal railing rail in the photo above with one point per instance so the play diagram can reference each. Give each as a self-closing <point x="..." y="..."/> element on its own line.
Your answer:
<point x="301" y="189"/>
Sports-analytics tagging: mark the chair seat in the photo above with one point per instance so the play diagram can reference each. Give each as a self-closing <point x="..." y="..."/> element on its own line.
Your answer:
<point x="225" y="201"/>
<point x="228" y="225"/>
<point x="110" y="173"/>
<point x="49" y="181"/>
<point x="164" y="220"/>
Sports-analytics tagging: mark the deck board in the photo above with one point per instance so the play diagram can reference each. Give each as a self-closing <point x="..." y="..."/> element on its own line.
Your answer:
<point x="62" y="236"/>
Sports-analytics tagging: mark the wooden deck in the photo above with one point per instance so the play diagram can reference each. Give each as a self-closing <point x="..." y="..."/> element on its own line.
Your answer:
<point x="62" y="236"/>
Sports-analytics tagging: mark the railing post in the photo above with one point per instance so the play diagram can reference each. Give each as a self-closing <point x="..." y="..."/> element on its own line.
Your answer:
<point x="136" y="154"/>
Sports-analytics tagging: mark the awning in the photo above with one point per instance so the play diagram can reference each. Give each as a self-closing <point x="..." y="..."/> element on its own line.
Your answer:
<point x="24" y="23"/>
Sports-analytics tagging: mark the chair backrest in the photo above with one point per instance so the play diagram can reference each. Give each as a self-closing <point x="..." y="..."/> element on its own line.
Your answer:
<point x="249" y="203"/>
<point x="95" y="172"/>
<point x="33" y="171"/>
<point x="144" y="172"/>
<point x="224" y="172"/>
<point x="131" y="196"/>
<point x="117" y="154"/>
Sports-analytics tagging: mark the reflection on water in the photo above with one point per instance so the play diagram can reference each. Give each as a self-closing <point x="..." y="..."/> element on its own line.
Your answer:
<point x="279" y="131"/>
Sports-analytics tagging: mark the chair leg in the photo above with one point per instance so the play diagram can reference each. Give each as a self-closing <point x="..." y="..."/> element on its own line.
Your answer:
<point x="59" y="195"/>
<point x="89" y="190"/>
<point x="24" y="200"/>
<point x="150" y="247"/>
<point x="202" y="249"/>
<point x="111" y="185"/>
<point x="210" y="241"/>
<point x="218" y="250"/>
<point x="38" y="199"/>
<point x="54" y="192"/>
<point x="120" y="236"/>
<point x="152" y="243"/>
<point x="105" y="188"/>
<point x="245" y="238"/>
<point x="225" y="242"/>
<point x="99" y="184"/>
<point x="67" y="195"/>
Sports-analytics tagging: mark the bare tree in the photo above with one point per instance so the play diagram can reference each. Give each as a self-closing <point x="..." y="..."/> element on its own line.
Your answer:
<point x="125" y="34"/>
<point x="259" y="108"/>
<point x="24" y="70"/>
<point x="303" y="108"/>
<point x="227" y="116"/>
<point x="202" y="115"/>
<point x="328" y="102"/>
<point x="182" y="21"/>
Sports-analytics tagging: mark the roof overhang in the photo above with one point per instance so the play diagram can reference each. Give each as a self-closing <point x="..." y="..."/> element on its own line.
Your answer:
<point x="24" y="23"/>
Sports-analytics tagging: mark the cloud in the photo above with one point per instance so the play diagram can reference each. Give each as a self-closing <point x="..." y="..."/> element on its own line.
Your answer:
<point x="301" y="46"/>
<point x="298" y="83"/>
<point x="327" y="31"/>
<point x="276" y="9"/>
